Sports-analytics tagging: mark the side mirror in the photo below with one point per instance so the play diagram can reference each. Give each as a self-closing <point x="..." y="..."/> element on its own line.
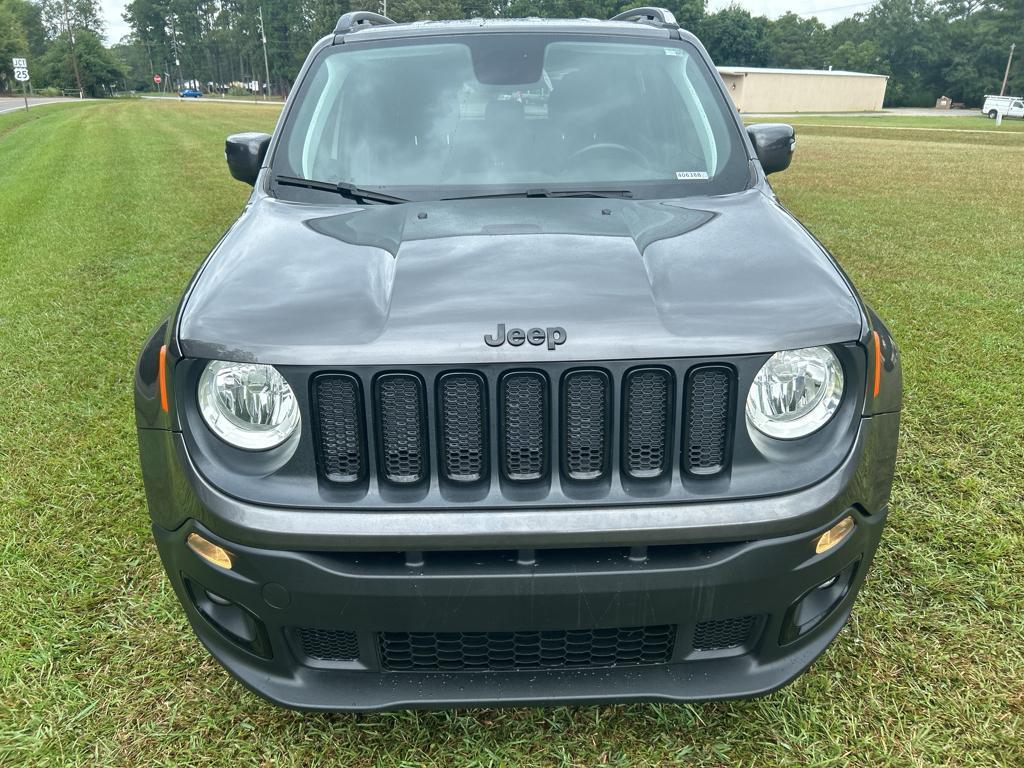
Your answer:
<point x="774" y="144"/>
<point x="244" y="153"/>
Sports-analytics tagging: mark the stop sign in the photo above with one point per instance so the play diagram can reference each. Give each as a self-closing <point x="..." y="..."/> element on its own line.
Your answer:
<point x="157" y="79"/>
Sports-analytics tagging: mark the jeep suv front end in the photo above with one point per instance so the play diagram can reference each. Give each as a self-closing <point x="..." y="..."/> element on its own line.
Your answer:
<point x="505" y="390"/>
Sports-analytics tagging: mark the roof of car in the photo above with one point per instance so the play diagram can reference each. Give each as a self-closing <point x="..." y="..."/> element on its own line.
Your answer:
<point x="779" y="71"/>
<point x="470" y="26"/>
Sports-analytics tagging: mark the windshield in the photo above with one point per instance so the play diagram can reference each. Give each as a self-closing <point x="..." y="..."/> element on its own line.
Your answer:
<point x="465" y="115"/>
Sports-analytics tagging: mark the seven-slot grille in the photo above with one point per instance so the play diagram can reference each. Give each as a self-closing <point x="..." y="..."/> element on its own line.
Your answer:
<point x="534" y="424"/>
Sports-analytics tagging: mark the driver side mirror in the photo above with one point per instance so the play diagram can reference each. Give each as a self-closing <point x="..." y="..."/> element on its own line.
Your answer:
<point x="774" y="144"/>
<point x="244" y="153"/>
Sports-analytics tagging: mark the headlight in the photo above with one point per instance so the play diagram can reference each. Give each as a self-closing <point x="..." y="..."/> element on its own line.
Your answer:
<point x="796" y="392"/>
<point x="247" y="405"/>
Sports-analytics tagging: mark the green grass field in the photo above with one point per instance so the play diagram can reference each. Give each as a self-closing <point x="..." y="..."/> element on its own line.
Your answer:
<point x="105" y="211"/>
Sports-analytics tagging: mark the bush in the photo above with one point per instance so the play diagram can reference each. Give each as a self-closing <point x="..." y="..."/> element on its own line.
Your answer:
<point x="50" y="91"/>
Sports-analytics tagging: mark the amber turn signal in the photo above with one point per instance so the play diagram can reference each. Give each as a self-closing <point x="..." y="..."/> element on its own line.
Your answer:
<point x="878" y="362"/>
<point x="832" y="536"/>
<point x="210" y="552"/>
<point x="163" y="378"/>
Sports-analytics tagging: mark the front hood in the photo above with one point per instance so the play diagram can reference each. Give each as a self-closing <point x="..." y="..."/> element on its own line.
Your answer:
<point x="425" y="282"/>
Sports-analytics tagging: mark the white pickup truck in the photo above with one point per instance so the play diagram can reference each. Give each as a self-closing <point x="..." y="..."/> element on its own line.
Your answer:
<point x="1009" y="106"/>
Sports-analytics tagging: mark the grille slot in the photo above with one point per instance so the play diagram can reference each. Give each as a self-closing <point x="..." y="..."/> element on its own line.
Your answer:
<point x="524" y="410"/>
<point x="722" y="634"/>
<point x="647" y="415"/>
<point x="402" y="427"/>
<point x="706" y="432"/>
<point x="552" y="649"/>
<point x="586" y="424"/>
<point x="328" y="644"/>
<point x="463" y="415"/>
<point x="340" y="416"/>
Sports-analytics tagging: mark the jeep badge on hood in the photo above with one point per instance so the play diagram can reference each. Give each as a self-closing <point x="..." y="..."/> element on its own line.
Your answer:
<point x="555" y="336"/>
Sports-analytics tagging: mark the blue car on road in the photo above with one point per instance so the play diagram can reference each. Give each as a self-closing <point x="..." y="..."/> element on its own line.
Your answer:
<point x="189" y="93"/>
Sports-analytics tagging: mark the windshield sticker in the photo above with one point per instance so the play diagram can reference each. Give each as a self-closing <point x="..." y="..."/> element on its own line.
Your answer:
<point x="673" y="52"/>
<point x="688" y="175"/>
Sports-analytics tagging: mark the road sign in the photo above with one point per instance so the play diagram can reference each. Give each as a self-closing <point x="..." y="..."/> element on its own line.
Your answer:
<point x="20" y="70"/>
<point x="157" y="79"/>
<point x="21" y="75"/>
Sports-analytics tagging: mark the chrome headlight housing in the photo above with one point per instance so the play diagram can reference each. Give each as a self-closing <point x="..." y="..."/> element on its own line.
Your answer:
<point x="795" y="393"/>
<point x="247" y="405"/>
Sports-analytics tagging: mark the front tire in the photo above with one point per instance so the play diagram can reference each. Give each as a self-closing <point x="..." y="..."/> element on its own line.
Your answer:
<point x="992" y="114"/>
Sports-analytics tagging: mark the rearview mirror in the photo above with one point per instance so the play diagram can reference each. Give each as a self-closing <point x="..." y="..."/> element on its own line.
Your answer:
<point x="244" y="153"/>
<point x="774" y="144"/>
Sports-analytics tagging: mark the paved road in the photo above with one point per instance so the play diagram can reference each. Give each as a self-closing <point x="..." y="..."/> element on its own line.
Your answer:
<point x="215" y="100"/>
<point x="8" y="104"/>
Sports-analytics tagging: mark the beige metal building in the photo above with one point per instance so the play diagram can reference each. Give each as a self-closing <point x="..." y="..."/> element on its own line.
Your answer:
<point x="754" y="89"/>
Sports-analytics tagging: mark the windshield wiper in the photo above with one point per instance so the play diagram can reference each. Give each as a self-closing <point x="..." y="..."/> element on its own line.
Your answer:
<point x="351" y="191"/>
<point x="550" y="193"/>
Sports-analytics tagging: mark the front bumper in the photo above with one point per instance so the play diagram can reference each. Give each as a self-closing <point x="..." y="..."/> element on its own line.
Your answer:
<point x="685" y="587"/>
<point x="693" y="568"/>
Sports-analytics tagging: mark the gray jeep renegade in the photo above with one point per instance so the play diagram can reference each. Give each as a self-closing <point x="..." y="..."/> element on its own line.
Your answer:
<point x="515" y="384"/>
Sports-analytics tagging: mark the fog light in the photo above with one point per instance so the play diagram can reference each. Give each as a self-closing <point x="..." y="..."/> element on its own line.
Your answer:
<point x="833" y="535"/>
<point x="215" y="598"/>
<point x="235" y="622"/>
<point x="209" y="551"/>
<point x="816" y="604"/>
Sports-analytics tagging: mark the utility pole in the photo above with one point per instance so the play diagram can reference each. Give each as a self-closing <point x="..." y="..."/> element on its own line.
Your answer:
<point x="71" y="42"/>
<point x="266" y="62"/>
<point x="149" y="50"/>
<point x="174" y="49"/>
<point x="1006" y="76"/>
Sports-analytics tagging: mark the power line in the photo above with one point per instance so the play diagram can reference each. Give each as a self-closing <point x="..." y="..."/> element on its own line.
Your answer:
<point x="838" y="8"/>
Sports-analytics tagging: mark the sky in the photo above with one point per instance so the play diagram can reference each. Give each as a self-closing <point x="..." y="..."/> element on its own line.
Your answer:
<point x="828" y="11"/>
<point x="116" y="28"/>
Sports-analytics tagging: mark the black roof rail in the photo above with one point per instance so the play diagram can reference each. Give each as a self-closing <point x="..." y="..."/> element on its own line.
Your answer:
<point x="355" y="19"/>
<point x="662" y="16"/>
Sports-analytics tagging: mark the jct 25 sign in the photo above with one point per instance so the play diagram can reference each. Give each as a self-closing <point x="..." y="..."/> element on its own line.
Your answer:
<point x="20" y="70"/>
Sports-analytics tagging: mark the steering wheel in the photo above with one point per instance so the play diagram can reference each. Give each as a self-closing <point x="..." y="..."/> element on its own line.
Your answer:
<point x="608" y="146"/>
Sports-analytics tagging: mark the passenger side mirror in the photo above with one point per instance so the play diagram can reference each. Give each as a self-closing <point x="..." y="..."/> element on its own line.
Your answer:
<point x="244" y="153"/>
<point x="774" y="144"/>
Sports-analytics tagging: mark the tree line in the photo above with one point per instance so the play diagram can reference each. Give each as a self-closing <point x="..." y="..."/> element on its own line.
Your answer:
<point x="928" y="48"/>
<point x="63" y="42"/>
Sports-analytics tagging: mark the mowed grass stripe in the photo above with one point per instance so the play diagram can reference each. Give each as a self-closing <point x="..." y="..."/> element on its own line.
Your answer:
<point x="930" y="237"/>
<point x="98" y="667"/>
<point x="99" y="238"/>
